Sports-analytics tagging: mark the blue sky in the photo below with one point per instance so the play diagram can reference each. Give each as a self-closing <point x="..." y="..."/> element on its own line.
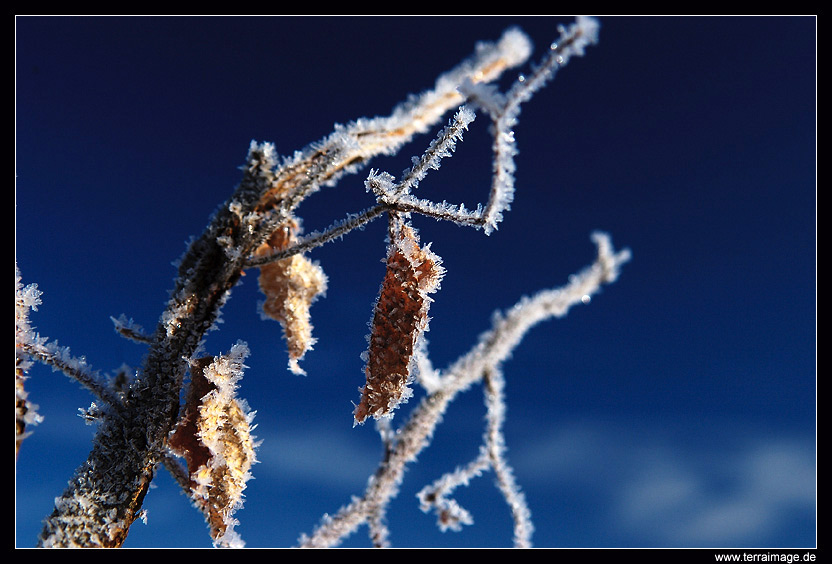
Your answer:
<point x="678" y="409"/>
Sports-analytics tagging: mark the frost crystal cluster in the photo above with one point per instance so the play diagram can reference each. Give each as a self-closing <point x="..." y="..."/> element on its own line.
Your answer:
<point x="182" y="404"/>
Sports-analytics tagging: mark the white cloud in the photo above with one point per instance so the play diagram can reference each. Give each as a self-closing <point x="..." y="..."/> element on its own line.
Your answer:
<point x="326" y="458"/>
<point x="669" y="490"/>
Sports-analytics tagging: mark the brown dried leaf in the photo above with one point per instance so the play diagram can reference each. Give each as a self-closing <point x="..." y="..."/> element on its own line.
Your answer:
<point x="399" y="319"/>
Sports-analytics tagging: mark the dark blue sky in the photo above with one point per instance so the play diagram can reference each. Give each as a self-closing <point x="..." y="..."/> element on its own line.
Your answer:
<point x="677" y="409"/>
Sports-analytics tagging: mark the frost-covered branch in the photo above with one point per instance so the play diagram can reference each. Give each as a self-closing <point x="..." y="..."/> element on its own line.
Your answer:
<point x="356" y="143"/>
<point x="318" y="239"/>
<point x="386" y="189"/>
<point x="495" y="451"/>
<point x="60" y="359"/>
<point x="105" y="495"/>
<point x="450" y="515"/>
<point x="128" y="329"/>
<point x="25" y="412"/>
<point x="29" y="343"/>
<point x="504" y="110"/>
<point x="487" y="356"/>
<point x="145" y="424"/>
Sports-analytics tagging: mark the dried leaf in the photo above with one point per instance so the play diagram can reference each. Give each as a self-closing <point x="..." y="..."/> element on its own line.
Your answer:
<point x="290" y="286"/>
<point x="399" y="319"/>
<point x="214" y="437"/>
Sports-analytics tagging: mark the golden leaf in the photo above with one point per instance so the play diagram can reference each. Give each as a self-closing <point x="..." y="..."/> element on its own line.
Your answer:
<point x="214" y="437"/>
<point x="291" y="286"/>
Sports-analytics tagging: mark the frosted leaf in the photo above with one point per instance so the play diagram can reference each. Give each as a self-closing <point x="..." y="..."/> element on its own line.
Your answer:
<point x="291" y="286"/>
<point x="399" y="319"/>
<point x="214" y="436"/>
